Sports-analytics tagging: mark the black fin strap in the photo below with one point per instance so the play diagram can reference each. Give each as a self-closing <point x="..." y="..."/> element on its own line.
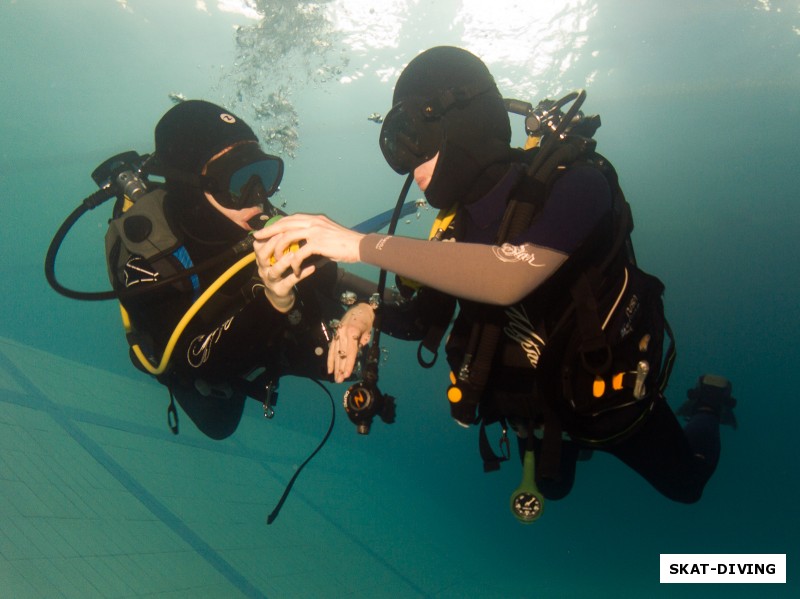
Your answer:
<point x="172" y="414"/>
<point x="274" y="514"/>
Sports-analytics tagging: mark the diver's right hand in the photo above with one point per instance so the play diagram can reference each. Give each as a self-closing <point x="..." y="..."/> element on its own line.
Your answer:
<point x="279" y="280"/>
<point x="322" y="237"/>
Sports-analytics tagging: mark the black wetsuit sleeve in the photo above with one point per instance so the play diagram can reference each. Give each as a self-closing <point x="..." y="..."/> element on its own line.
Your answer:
<point x="249" y="333"/>
<point x="235" y="334"/>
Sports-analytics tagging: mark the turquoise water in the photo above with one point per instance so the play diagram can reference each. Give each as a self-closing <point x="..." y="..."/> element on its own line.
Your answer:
<point x="98" y="499"/>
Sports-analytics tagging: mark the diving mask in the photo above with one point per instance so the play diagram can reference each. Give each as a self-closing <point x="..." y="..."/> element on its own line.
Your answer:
<point x="412" y="131"/>
<point x="411" y="134"/>
<point x="243" y="177"/>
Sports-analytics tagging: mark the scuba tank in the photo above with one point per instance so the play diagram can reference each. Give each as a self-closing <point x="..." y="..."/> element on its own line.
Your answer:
<point x="124" y="176"/>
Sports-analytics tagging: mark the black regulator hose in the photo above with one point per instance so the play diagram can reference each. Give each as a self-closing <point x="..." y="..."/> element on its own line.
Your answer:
<point x="89" y="203"/>
<point x="553" y="139"/>
<point x="363" y="400"/>
<point x="376" y="336"/>
<point x="274" y="514"/>
<point x="401" y="199"/>
<point x="93" y="201"/>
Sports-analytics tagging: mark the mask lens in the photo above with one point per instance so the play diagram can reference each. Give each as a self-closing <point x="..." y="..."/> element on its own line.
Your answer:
<point x="245" y="177"/>
<point x="257" y="179"/>
<point x="408" y="138"/>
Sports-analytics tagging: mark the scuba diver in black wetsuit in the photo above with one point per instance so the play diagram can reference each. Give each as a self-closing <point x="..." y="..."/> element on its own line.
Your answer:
<point x="197" y="313"/>
<point x="559" y="334"/>
<point x="217" y="182"/>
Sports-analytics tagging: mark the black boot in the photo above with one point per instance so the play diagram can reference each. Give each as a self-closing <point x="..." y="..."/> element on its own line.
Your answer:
<point x="711" y="395"/>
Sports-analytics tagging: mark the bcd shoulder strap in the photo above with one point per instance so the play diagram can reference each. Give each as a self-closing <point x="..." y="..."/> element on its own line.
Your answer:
<point x="583" y="305"/>
<point x="530" y="195"/>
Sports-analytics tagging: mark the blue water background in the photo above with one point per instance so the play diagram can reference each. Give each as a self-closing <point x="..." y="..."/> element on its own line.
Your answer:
<point x="700" y="111"/>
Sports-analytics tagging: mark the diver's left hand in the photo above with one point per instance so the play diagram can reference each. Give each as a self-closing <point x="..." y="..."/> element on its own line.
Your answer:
<point x="354" y="331"/>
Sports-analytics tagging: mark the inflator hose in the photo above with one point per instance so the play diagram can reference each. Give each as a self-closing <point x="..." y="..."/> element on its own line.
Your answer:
<point x="374" y="352"/>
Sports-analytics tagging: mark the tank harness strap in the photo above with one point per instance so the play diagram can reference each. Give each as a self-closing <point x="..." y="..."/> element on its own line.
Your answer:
<point x="594" y="348"/>
<point x="437" y="307"/>
<point x="438" y="312"/>
<point x="517" y="218"/>
<point x="593" y="338"/>
<point x="669" y="360"/>
<point x="182" y="256"/>
<point x="550" y="457"/>
<point x="528" y="197"/>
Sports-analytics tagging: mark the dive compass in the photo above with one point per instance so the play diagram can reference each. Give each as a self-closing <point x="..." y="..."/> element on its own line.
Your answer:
<point x="526" y="506"/>
<point x="527" y="503"/>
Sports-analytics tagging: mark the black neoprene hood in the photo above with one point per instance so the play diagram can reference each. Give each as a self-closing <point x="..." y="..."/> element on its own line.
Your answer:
<point x="186" y="138"/>
<point x="194" y="131"/>
<point x="476" y="135"/>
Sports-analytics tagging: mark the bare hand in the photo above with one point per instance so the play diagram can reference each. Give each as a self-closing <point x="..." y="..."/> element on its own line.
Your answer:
<point x="354" y="331"/>
<point x="280" y="278"/>
<point x="319" y="236"/>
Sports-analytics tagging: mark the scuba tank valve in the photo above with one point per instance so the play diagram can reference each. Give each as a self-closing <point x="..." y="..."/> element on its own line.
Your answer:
<point x="121" y="176"/>
<point x="132" y="185"/>
<point x="123" y="172"/>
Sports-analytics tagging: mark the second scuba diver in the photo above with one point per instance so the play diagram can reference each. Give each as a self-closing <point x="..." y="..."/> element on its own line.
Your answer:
<point x="559" y="334"/>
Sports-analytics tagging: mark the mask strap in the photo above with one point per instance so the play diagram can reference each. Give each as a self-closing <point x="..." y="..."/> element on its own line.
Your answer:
<point x="202" y="182"/>
<point x="459" y="96"/>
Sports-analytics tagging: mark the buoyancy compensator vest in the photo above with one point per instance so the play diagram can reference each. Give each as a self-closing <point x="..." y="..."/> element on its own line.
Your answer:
<point x="604" y="362"/>
<point x="142" y="230"/>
